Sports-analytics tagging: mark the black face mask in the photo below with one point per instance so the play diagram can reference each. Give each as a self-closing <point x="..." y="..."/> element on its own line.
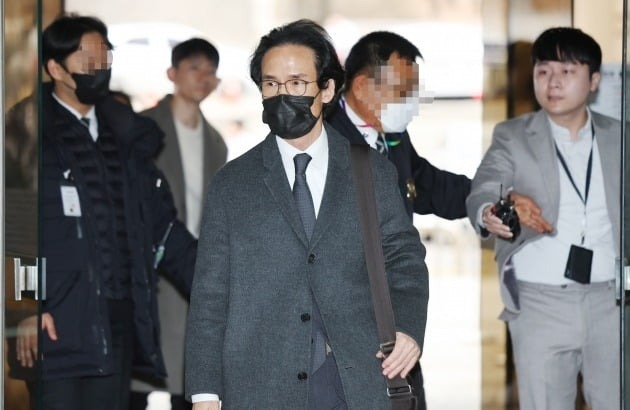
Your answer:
<point x="289" y="116"/>
<point x="92" y="88"/>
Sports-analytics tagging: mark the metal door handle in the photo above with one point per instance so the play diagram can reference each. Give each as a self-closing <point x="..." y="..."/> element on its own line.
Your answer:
<point x="26" y="283"/>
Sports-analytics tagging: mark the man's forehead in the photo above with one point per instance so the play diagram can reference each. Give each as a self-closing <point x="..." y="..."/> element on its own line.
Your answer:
<point x="557" y="62"/>
<point x="197" y="58"/>
<point x="398" y="72"/>
<point x="397" y="65"/>
<point x="93" y="52"/>
<point x="93" y="42"/>
<point x="92" y="46"/>
<point x="297" y="59"/>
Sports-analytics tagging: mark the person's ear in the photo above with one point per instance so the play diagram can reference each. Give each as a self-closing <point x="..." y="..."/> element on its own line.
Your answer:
<point x="170" y="73"/>
<point x="595" y="79"/>
<point x="358" y="86"/>
<point x="328" y="92"/>
<point x="55" y="70"/>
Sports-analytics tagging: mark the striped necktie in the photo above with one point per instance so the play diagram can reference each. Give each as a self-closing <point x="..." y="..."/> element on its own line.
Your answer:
<point x="381" y="144"/>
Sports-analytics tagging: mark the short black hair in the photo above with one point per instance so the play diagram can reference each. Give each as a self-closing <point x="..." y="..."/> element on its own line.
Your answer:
<point x="192" y="48"/>
<point x="63" y="36"/>
<point x="306" y="33"/>
<point x="374" y="49"/>
<point x="567" y="44"/>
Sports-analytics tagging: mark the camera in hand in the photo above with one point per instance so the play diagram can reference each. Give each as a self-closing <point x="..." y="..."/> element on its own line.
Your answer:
<point x="505" y="211"/>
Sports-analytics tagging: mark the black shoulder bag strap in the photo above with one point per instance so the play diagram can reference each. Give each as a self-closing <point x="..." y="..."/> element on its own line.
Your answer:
<point x="398" y="389"/>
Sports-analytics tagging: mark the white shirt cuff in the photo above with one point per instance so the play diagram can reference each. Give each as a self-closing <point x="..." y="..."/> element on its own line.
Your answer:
<point x="196" y="398"/>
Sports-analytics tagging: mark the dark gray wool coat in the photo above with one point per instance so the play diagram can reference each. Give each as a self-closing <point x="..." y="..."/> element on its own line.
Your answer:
<point x="256" y="271"/>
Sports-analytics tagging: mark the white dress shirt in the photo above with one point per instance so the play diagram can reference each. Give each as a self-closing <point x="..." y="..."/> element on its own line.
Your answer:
<point x="315" y="178"/>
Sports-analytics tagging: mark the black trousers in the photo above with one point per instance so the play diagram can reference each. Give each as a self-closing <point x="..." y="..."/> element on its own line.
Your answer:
<point x="326" y="391"/>
<point x="109" y="392"/>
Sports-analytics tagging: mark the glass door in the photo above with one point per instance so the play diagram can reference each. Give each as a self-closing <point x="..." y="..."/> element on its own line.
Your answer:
<point x="625" y="232"/>
<point x="24" y="270"/>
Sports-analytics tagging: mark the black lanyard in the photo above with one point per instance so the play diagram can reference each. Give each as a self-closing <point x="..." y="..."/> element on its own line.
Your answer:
<point x="588" y="170"/>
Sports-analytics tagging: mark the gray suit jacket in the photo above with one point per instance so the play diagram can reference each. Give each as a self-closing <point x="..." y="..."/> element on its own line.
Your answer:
<point x="246" y="338"/>
<point x="522" y="156"/>
<point x="172" y="304"/>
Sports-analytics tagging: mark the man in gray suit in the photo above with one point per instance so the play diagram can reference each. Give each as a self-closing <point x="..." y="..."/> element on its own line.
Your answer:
<point x="281" y="314"/>
<point x="192" y="153"/>
<point x="557" y="276"/>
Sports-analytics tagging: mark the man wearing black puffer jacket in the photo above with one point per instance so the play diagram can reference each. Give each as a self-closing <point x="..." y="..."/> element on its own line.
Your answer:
<point x="107" y="222"/>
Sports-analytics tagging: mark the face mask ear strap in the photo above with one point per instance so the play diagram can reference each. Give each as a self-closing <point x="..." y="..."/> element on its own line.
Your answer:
<point x="321" y="112"/>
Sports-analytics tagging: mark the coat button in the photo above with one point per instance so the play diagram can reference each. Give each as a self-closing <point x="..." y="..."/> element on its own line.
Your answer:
<point x="311" y="258"/>
<point x="302" y="376"/>
<point x="305" y="317"/>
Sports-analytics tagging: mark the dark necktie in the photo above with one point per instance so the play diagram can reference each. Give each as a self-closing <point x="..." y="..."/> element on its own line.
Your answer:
<point x="381" y="144"/>
<point x="302" y="194"/>
<point x="85" y="121"/>
<point x="304" y="202"/>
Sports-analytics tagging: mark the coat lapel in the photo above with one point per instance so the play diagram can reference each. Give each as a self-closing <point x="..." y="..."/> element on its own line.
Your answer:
<point x="275" y="179"/>
<point x="170" y="157"/>
<point x="338" y="179"/>
<point x="540" y="142"/>
<point x="337" y="182"/>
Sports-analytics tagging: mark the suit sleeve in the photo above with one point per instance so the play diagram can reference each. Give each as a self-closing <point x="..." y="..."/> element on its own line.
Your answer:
<point x="439" y="192"/>
<point x="494" y="176"/>
<point x="207" y="314"/>
<point x="404" y="254"/>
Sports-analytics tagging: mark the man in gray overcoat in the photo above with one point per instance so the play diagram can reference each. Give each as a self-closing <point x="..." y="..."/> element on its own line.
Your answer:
<point x="281" y="314"/>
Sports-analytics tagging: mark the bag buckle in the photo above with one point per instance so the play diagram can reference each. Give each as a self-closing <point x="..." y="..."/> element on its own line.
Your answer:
<point x="387" y="347"/>
<point x="401" y="391"/>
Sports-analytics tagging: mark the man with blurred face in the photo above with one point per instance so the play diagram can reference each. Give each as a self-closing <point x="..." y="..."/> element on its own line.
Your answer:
<point x="192" y="153"/>
<point x="380" y="97"/>
<point x="281" y="313"/>
<point x="104" y="209"/>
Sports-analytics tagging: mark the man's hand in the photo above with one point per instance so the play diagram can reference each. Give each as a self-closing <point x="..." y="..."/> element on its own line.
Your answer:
<point x="529" y="214"/>
<point x="402" y="359"/>
<point x="26" y="344"/>
<point x="493" y="224"/>
<point x="206" y="405"/>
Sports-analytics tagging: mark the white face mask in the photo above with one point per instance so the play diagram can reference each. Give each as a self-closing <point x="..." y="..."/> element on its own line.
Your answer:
<point x="395" y="117"/>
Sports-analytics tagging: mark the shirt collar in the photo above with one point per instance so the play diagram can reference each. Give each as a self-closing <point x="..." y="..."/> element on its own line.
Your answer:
<point x="313" y="150"/>
<point x="369" y="133"/>
<point x="318" y="151"/>
<point x="562" y="135"/>
<point x="91" y="114"/>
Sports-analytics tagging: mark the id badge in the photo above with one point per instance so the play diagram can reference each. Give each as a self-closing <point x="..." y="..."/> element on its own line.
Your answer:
<point x="70" y="200"/>
<point x="579" y="264"/>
